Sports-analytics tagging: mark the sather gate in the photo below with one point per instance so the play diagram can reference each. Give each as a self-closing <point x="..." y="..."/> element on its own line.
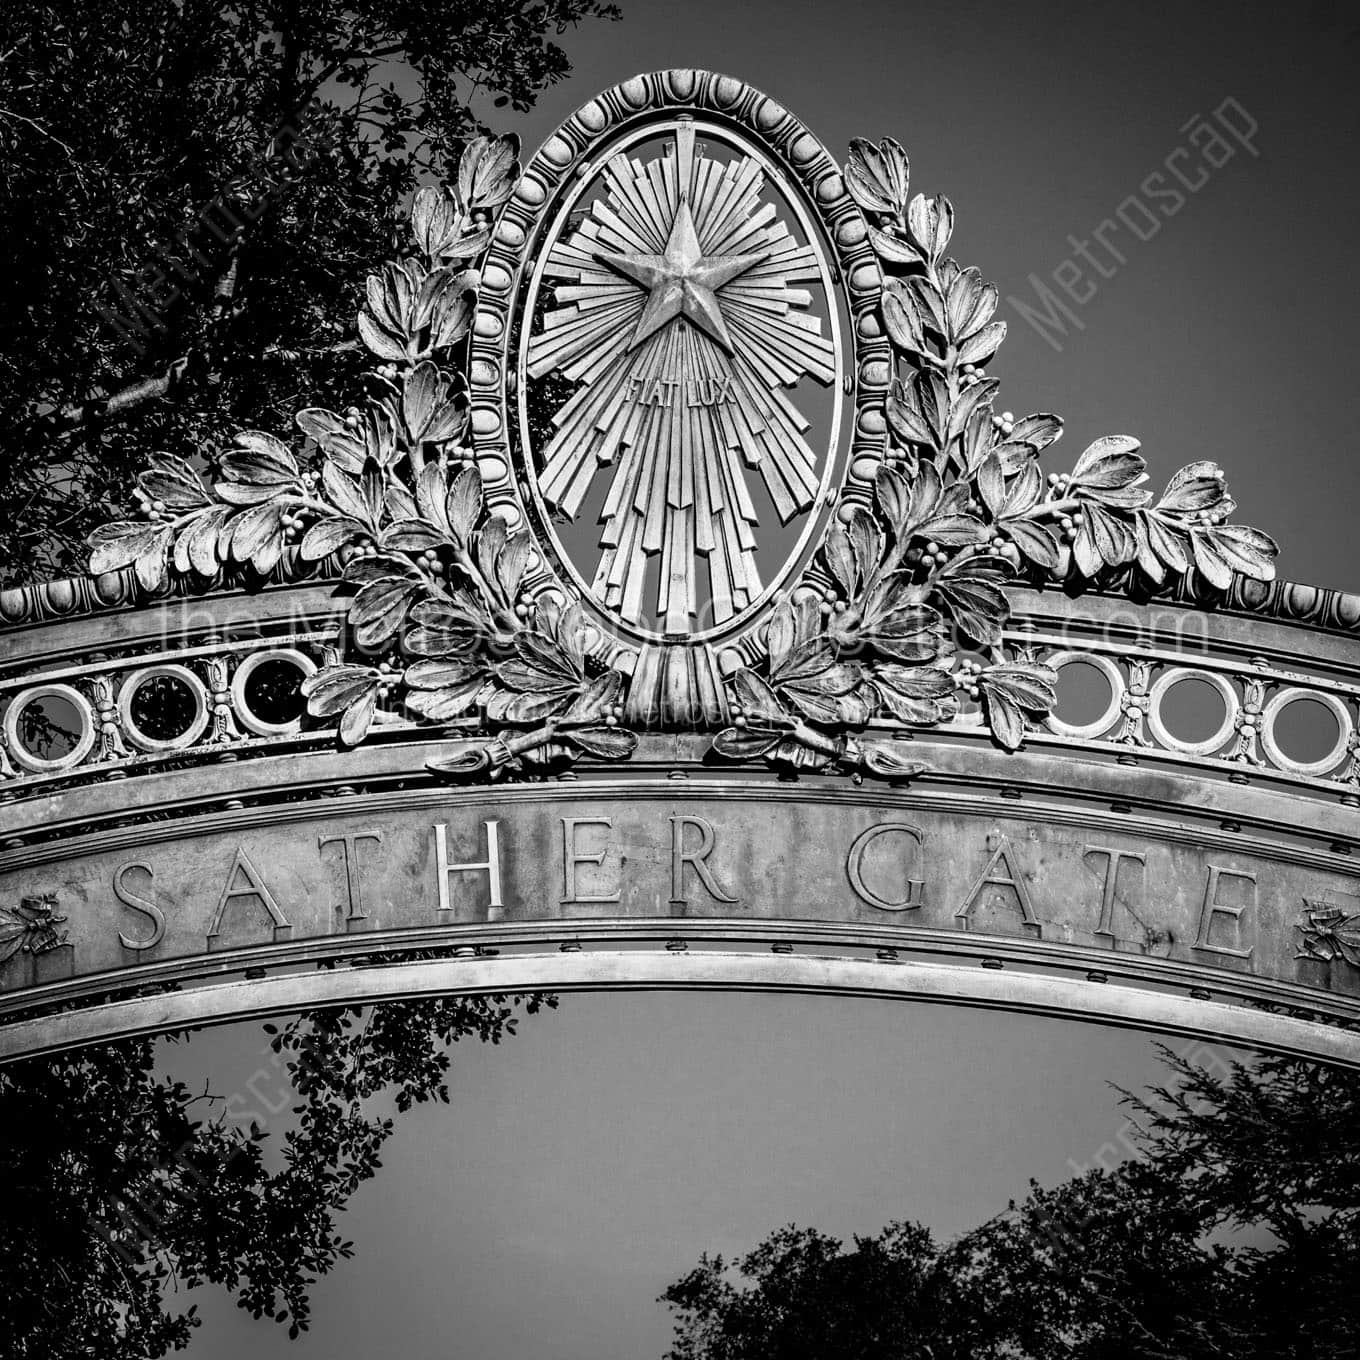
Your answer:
<point x="678" y="607"/>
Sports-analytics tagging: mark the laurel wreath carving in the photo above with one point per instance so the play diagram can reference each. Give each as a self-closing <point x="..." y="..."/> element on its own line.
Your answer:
<point x="960" y="507"/>
<point x="1327" y="932"/>
<point x="31" y="927"/>
<point x="909" y="631"/>
<point x="437" y="602"/>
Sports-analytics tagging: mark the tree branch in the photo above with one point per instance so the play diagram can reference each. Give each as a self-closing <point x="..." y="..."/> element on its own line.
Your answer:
<point x="76" y="415"/>
<point x="294" y="356"/>
<point x="38" y="128"/>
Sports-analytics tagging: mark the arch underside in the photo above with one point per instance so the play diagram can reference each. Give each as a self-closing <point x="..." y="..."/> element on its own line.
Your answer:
<point x="891" y="963"/>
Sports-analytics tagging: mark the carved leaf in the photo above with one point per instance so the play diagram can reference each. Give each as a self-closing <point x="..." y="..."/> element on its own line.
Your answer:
<point x="746" y="743"/>
<point x="433" y="405"/>
<point x="971" y="588"/>
<point x="757" y="699"/>
<point x="877" y="177"/>
<point x="907" y="416"/>
<point x="487" y="171"/>
<point x="410" y="535"/>
<point x="345" y="492"/>
<point x="332" y="689"/>
<point x="526" y="678"/>
<point x="892" y="496"/>
<point x="173" y="481"/>
<point x="464" y="505"/>
<point x="491" y="540"/>
<point x="1022" y="493"/>
<point x="1109" y="464"/>
<point x="953" y="530"/>
<point x="1197" y="486"/>
<point x="333" y="436"/>
<point x="928" y="302"/>
<point x="450" y="700"/>
<point x="976" y="439"/>
<point x="915" y="694"/>
<point x="522" y="707"/>
<point x="361" y="570"/>
<point x="1038" y="431"/>
<point x="329" y="535"/>
<point x="980" y="346"/>
<point x="379" y="610"/>
<point x="358" y="718"/>
<point x="543" y="651"/>
<point x="240" y="493"/>
<point x="431" y="498"/>
<point x="991" y="481"/>
<point x="259" y="459"/>
<point x="902" y="317"/>
<point x="1035" y="542"/>
<point x="970" y="304"/>
<point x="1102" y="539"/>
<point x="609" y="743"/>
<point x="441" y="674"/>
<point x="973" y="400"/>
<point x="196" y="548"/>
<point x="1244" y="549"/>
<point x="781" y="634"/>
<point x="512" y="563"/>
<point x="256" y="536"/>
<point x="433" y="213"/>
<point x="932" y="223"/>
<point x="841" y="562"/>
<point x="595" y="701"/>
<point x="891" y="760"/>
<point x="1012" y="689"/>
<point x="892" y="248"/>
<point x="123" y="542"/>
<point x="443" y="309"/>
<point x="447" y="627"/>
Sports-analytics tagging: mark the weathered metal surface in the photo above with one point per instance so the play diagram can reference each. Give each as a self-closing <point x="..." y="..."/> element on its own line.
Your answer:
<point x="680" y="755"/>
<point x="641" y="848"/>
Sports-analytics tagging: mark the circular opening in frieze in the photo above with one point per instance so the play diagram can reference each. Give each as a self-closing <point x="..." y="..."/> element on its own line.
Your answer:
<point x="50" y="728"/>
<point x="164" y="706"/>
<point x="1192" y="711"/>
<point x="267" y="690"/>
<point x="1085" y="695"/>
<point x="1305" y="732"/>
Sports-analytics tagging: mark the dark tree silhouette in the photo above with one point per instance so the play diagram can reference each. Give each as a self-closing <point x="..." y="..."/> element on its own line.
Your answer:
<point x="1235" y="1235"/>
<point x="192" y="195"/>
<point x="117" y="1183"/>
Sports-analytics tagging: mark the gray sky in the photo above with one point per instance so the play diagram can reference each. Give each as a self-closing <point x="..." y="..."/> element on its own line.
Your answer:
<point x="584" y="1165"/>
<point x="588" y="1162"/>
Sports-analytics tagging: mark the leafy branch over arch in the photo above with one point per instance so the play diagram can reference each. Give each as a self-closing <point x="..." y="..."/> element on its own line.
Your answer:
<point x="909" y="627"/>
<point x="439" y="605"/>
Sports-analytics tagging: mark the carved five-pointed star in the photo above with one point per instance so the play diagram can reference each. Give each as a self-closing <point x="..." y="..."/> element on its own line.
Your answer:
<point x="682" y="282"/>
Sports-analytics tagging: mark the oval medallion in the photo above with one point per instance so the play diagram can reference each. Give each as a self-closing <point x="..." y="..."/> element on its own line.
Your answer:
<point x="681" y="420"/>
<point x="684" y="349"/>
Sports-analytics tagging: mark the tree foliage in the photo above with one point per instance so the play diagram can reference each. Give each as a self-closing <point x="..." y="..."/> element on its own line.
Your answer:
<point x="121" y="1185"/>
<point x="192" y="196"/>
<point x="1235" y="1234"/>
